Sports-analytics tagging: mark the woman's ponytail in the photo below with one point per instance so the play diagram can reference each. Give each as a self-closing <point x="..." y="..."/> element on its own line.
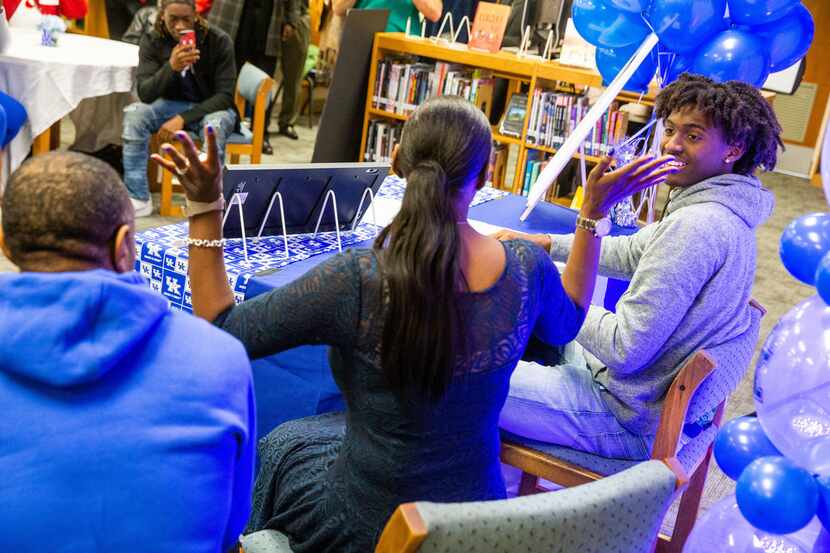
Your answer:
<point x="444" y="146"/>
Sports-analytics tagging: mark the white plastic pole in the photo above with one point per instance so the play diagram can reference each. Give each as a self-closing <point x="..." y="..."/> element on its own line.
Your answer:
<point x="548" y="176"/>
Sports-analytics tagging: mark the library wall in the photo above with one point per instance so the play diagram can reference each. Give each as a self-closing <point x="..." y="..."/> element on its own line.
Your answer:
<point x="818" y="69"/>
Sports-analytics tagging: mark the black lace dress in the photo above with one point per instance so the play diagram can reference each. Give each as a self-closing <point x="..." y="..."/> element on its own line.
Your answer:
<point x="330" y="482"/>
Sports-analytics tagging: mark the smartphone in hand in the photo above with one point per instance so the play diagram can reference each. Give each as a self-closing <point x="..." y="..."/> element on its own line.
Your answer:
<point x="187" y="38"/>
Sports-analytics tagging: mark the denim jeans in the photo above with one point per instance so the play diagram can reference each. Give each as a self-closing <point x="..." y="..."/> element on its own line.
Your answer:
<point x="142" y="120"/>
<point x="563" y="405"/>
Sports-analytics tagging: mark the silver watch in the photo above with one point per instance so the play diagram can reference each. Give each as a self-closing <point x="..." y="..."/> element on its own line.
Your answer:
<point x="597" y="227"/>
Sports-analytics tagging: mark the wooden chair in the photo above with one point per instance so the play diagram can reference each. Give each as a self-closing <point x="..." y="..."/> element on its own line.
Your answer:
<point x="253" y="87"/>
<point x="568" y="467"/>
<point x="576" y="520"/>
<point x="572" y="521"/>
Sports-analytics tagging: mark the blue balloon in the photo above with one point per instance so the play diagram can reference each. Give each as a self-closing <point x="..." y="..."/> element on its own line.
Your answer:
<point x="759" y="12"/>
<point x="788" y="38"/>
<point x="740" y="442"/>
<point x="683" y="25"/>
<point x="2" y="121"/>
<point x="823" y="511"/>
<point x="792" y="386"/>
<point x="605" y="26"/>
<point x="673" y="67"/>
<point x="777" y="496"/>
<point x="722" y="529"/>
<point x="633" y="6"/>
<point x="733" y="55"/>
<point x="611" y="60"/>
<point x="823" y="278"/>
<point x="804" y="243"/>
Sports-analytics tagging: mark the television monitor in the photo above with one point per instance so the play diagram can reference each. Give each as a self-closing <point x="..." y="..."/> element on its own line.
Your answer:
<point x="303" y="188"/>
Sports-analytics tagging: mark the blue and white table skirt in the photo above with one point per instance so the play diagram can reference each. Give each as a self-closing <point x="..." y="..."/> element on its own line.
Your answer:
<point x="162" y="257"/>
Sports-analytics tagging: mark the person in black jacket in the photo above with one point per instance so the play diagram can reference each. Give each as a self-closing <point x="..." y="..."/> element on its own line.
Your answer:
<point x="180" y="87"/>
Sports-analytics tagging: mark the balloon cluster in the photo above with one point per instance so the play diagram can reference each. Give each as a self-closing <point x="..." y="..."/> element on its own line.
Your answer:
<point x="723" y="39"/>
<point x="781" y="459"/>
<point x="805" y="251"/>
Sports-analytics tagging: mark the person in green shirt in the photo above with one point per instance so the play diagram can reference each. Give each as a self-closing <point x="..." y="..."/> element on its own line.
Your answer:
<point x="399" y="11"/>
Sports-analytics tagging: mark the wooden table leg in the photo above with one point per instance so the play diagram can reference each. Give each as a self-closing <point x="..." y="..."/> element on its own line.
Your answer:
<point x="48" y="140"/>
<point x="42" y="142"/>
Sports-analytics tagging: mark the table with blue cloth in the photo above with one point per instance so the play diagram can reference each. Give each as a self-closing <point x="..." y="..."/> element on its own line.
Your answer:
<point x="298" y="383"/>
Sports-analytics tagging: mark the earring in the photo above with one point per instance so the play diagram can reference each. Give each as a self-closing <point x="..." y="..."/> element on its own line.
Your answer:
<point x="727" y="160"/>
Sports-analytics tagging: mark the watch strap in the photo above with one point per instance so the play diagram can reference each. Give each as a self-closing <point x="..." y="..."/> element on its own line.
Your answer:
<point x="588" y="224"/>
<point x="197" y="208"/>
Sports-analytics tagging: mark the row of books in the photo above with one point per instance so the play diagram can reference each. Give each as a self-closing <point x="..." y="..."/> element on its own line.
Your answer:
<point x="565" y="185"/>
<point x="402" y="85"/>
<point x="381" y="137"/>
<point x="555" y="115"/>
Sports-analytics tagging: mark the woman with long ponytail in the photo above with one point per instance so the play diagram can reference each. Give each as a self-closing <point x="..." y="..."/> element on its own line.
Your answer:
<point x="425" y="330"/>
<point x="420" y="250"/>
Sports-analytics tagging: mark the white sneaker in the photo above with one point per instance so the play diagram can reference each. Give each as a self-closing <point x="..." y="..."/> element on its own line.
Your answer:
<point x="143" y="208"/>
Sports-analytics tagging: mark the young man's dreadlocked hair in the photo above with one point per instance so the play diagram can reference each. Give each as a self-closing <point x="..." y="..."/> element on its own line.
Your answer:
<point x="161" y="28"/>
<point x="736" y="108"/>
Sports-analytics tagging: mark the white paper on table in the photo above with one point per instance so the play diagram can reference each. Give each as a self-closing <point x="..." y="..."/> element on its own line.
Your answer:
<point x="485" y="228"/>
<point x="384" y="209"/>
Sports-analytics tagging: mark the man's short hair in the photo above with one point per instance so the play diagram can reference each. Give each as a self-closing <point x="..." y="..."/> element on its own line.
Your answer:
<point x="65" y="203"/>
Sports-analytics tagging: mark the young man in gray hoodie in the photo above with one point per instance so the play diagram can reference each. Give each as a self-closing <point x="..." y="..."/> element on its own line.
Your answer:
<point x="690" y="275"/>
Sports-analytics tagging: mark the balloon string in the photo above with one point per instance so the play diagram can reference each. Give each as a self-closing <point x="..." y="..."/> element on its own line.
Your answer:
<point x="634" y="137"/>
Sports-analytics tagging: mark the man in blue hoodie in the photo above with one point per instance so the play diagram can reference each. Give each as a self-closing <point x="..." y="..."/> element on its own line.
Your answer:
<point x="691" y="276"/>
<point x="127" y="427"/>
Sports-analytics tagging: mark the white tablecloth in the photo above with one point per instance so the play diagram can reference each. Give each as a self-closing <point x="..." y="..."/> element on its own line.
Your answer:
<point x="51" y="82"/>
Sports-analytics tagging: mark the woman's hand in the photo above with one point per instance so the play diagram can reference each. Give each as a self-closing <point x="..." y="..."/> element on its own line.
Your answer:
<point x="201" y="180"/>
<point x="542" y="240"/>
<point x="603" y="190"/>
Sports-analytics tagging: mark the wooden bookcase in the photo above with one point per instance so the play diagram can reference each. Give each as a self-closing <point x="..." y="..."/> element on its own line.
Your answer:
<point x="519" y="71"/>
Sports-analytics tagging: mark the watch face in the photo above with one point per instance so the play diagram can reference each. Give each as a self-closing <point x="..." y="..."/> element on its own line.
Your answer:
<point x="603" y="227"/>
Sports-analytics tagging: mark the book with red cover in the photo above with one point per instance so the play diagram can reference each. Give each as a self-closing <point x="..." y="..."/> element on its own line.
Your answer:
<point x="488" y="26"/>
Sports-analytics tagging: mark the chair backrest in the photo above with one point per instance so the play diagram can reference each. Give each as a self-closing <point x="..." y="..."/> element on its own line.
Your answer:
<point x="703" y="384"/>
<point x="632" y="502"/>
<point x="732" y="359"/>
<point x="255" y="87"/>
<point x="249" y="82"/>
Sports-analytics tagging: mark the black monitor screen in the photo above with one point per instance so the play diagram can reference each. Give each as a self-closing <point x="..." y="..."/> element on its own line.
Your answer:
<point x="303" y="188"/>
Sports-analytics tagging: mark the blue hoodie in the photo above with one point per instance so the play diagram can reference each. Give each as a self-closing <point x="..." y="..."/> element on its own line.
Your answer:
<point x="126" y="427"/>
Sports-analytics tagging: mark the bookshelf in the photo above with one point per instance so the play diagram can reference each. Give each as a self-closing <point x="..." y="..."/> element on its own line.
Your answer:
<point x="468" y="73"/>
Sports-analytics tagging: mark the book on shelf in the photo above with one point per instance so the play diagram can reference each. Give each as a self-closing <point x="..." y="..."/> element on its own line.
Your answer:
<point x="381" y="139"/>
<point x="489" y="25"/>
<point x="564" y="186"/>
<point x="402" y="84"/>
<point x="513" y="119"/>
<point x="497" y="167"/>
<point x="555" y="115"/>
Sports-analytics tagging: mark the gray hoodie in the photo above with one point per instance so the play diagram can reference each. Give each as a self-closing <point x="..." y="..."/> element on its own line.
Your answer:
<point x="691" y="277"/>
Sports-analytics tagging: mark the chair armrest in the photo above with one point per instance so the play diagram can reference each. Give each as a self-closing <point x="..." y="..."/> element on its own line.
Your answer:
<point x="676" y="404"/>
<point x="679" y="472"/>
<point x="404" y="532"/>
